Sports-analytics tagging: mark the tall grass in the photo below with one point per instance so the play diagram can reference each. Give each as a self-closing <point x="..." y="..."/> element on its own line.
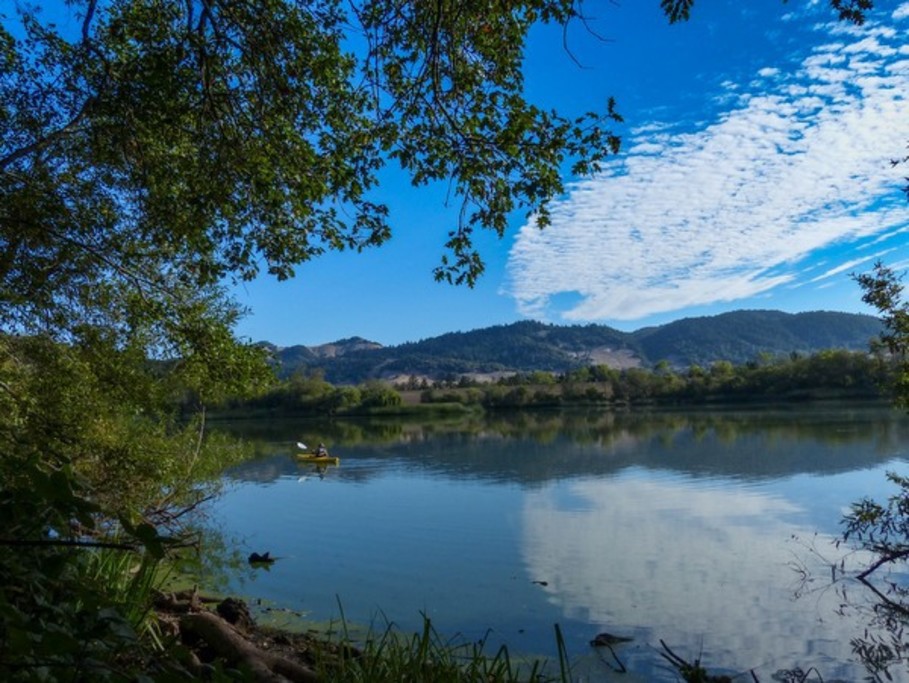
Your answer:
<point x="391" y="656"/>
<point x="128" y="579"/>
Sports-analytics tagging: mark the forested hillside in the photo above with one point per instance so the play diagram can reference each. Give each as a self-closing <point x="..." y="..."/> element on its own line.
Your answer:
<point x="740" y="336"/>
<point x="526" y="346"/>
<point x="502" y="348"/>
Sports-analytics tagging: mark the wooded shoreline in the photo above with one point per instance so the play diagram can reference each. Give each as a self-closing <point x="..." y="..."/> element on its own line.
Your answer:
<point x="829" y="375"/>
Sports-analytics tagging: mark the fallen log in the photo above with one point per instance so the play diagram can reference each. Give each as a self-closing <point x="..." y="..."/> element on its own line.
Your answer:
<point x="230" y="644"/>
<point x="189" y="600"/>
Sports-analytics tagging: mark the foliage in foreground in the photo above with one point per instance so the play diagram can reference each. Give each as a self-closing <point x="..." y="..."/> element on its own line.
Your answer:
<point x="391" y="656"/>
<point x="95" y="476"/>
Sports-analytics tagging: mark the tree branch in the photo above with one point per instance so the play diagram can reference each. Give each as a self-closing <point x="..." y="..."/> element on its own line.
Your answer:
<point x="881" y="561"/>
<point x="86" y="22"/>
<point x="895" y="606"/>
<point x="46" y="140"/>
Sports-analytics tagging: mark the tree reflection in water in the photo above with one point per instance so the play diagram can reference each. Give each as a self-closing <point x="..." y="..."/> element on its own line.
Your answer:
<point x="880" y="532"/>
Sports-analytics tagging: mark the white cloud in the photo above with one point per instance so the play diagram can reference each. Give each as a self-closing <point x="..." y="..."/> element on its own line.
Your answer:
<point x="731" y="210"/>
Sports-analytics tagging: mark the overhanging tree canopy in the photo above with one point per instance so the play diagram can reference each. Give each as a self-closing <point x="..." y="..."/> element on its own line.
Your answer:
<point x="166" y="144"/>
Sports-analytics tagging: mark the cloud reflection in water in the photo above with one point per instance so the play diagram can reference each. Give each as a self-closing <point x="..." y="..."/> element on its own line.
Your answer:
<point x="703" y="566"/>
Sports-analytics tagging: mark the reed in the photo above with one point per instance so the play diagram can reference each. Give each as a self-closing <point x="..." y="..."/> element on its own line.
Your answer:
<point x="391" y="656"/>
<point x="129" y="579"/>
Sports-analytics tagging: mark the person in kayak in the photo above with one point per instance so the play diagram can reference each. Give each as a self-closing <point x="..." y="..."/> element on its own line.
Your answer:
<point x="321" y="451"/>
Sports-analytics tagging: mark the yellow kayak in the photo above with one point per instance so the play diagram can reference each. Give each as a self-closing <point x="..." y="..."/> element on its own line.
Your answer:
<point x="314" y="459"/>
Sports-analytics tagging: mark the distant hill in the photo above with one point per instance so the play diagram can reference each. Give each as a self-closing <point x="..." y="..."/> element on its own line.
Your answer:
<point x="526" y="346"/>
<point x="740" y="336"/>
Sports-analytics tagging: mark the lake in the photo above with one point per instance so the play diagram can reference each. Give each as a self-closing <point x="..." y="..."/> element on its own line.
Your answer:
<point x="709" y="530"/>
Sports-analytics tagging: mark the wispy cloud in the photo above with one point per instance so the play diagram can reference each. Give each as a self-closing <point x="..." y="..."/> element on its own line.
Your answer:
<point x="797" y="164"/>
<point x="849" y="265"/>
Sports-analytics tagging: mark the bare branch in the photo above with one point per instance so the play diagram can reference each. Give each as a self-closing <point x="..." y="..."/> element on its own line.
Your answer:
<point x="86" y="22"/>
<point x="881" y="561"/>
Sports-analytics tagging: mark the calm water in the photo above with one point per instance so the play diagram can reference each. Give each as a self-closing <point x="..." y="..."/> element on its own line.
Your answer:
<point x="711" y="531"/>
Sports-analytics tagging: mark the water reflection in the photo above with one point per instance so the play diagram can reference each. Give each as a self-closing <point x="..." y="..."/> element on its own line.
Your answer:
<point x="694" y="528"/>
<point x="532" y="448"/>
<point x="882" y="646"/>
<point x="699" y="566"/>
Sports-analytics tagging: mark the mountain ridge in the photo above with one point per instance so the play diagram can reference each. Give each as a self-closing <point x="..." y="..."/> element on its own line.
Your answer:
<point x="525" y="346"/>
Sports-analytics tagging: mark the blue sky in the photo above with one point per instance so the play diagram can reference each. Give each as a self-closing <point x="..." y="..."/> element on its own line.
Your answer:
<point x="755" y="173"/>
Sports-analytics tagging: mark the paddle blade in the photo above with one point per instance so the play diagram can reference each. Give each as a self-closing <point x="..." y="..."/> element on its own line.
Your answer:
<point x="301" y="445"/>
